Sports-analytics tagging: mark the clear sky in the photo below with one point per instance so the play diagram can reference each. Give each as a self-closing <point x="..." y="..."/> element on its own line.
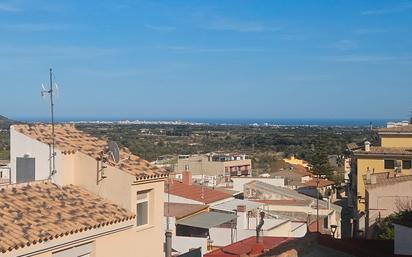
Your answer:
<point x="208" y="59"/>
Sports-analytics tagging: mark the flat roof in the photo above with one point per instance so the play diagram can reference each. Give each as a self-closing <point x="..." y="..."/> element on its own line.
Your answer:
<point x="233" y="204"/>
<point x="207" y="219"/>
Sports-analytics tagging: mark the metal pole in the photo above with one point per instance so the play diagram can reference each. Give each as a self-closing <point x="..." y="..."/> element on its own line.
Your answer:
<point x="168" y="245"/>
<point x="52" y="120"/>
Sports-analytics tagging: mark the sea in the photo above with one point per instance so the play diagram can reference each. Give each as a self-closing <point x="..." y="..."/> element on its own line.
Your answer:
<point x="229" y="121"/>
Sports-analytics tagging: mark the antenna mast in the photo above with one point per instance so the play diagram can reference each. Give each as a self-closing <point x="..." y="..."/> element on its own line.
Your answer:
<point x="53" y="154"/>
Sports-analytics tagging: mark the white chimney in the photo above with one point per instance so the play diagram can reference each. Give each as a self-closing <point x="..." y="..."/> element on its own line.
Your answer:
<point x="367" y="146"/>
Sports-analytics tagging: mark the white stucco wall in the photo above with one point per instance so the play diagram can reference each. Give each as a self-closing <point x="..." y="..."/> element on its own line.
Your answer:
<point x="238" y="182"/>
<point x="403" y="240"/>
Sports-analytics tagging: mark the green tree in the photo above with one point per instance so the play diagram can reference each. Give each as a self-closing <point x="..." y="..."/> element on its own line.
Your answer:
<point x="319" y="162"/>
<point x="385" y="227"/>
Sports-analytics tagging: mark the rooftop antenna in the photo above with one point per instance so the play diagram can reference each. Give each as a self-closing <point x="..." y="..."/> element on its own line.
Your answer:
<point x="114" y="151"/>
<point x="51" y="92"/>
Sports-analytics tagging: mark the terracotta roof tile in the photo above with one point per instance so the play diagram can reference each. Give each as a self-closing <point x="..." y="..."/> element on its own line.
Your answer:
<point x="41" y="211"/>
<point x="248" y="247"/>
<point x="292" y="202"/>
<point x="70" y="140"/>
<point x="194" y="192"/>
<point x="322" y="183"/>
<point x="386" y="150"/>
<point x="386" y="178"/>
<point x="181" y="210"/>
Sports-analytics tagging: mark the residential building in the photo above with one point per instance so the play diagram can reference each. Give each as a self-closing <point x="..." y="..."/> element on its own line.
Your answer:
<point x="393" y="154"/>
<point x="174" y="213"/>
<point x="239" y="182"/>
<point x="185" y="192"/>
<point x="5" y="172"/>
<point x="296" y="161"/>
<point x="385" y="194"/>
<point x="42" y="219"/>
<point x="294" y="176"/>
<point x="86" y="161"/>
<point x="218" y="167"/>
<point x="288" y="203"/>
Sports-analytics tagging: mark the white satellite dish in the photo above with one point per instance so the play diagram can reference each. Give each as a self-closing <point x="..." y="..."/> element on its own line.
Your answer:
<point x="114" y="151"/>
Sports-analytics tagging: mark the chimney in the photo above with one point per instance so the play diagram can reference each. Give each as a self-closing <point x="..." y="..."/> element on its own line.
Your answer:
<point x="187" y="177"/>
<point x="367" y="146"/>
<point x="373" y="179"/>
<point x="368" y="176"/>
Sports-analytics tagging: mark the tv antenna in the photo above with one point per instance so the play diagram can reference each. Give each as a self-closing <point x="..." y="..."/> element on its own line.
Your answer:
<point x="114" y="151"/>
<point x="51" y="91"/>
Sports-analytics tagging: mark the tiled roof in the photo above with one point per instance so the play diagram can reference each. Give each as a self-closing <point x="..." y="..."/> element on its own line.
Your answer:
<point x="181" y="210"/>
<point x="292" y="202"/>
<point x="386" y="150"/>
<point x="322" y="183"/>
<point x="70" y="140"/>
<point x="400" y="129"/>
<point x="248" y="247"/>
<point x="301" y="170"/>
<point x="386" y="178"/>
<point x="194" y="192"/>
<point x="41" y="211"/>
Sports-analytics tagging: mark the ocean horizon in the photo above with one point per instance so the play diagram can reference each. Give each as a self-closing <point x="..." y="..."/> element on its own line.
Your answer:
<point x="222" y="121"/>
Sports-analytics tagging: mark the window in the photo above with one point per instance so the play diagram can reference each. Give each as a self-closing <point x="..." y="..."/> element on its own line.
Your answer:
<point x="389" y="164"/>
<point x="406" y="164"/>
<point x="326" y="222"/>
<point x="142" y="208"/>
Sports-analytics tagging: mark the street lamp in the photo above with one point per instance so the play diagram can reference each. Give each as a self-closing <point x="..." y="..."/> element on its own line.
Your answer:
<point x="333" y="229"/>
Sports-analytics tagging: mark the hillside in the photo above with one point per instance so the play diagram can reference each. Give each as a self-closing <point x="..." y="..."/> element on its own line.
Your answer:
<point x="5" y="122"/>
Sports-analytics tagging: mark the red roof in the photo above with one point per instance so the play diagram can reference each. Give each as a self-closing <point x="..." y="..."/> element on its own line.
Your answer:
<point x="248" y="247"/>
<point x="292" y="202"/>
<point x="301" y="169"/>
<point x="194" y="192"/>
<point x="322" y="183"/>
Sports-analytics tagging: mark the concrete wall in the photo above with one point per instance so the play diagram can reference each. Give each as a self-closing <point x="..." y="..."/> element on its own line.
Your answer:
<point x="403" y="240"/>
<point x="21" y="144"/>
<point x="396" y="140"/>
<point x="387" y="199"/>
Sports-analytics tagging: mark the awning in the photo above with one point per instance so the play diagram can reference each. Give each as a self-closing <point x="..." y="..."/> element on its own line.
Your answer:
<point x="207" y="220"/>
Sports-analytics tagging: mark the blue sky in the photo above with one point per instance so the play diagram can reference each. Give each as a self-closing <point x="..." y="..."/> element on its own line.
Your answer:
<point x="208" y="59"/>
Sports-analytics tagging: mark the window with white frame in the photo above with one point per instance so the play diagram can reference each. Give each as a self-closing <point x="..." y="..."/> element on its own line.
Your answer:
<point x="142" y="208"/>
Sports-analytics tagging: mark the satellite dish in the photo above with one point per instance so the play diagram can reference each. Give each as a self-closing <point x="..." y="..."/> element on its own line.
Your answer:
<point x="114" y="151"/>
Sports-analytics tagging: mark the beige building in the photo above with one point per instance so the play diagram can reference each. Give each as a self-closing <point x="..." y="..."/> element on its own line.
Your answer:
<point x="215" y="167"/>
<point x="85" y="161"/>
<point x="393" y="155"/>
<point x="385" y="194"/>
